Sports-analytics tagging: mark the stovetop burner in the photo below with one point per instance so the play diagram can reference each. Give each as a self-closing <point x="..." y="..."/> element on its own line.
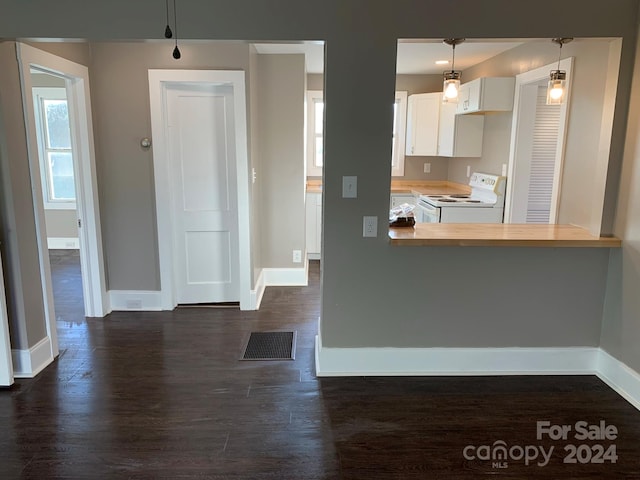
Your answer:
<point x="459" y="195"/>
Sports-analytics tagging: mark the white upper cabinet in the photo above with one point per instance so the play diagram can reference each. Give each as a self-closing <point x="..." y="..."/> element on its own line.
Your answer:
<point x="487" y="94"/>
<point x="434" y="129"/>
<point x="423" y="118"/>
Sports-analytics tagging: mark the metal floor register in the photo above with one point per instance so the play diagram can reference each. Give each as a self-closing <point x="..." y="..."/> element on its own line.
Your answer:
<point x="270" y="346"/>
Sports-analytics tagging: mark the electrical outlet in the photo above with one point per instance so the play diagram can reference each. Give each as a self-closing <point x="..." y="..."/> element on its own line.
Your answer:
<point x="369" y="226"/>
<point x="504" y="169"/>
<point x="427" y="168"/>
<point x="297" y="256"/>
<point x="468" y="171"/>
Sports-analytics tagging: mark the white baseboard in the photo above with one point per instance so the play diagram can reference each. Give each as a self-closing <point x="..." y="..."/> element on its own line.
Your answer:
<point x="454" y="361"/>
<point x="286" y="277"/>
<point x="135" y="300"/>
<point x="257" y="293"/>
<point x="620" y="377"/>
<point x="313" y="256"/>
<point x="28" y="363"/>
<point x="345" y="362"/>
<point x="63" y="243"/>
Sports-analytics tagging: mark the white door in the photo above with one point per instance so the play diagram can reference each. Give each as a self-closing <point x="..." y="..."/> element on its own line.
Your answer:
<point x="202" y="166"/>
<point x="537" y="150"/>
<point x="6" y="365"/>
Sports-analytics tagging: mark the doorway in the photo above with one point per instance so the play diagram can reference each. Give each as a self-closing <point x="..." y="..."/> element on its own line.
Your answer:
<point x="79" y="158"/>
<point x="198" y="121"/>
<point x="537" y="149"/>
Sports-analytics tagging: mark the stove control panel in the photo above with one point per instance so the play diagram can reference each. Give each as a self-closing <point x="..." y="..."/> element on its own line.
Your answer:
<point x="486" y="181"/>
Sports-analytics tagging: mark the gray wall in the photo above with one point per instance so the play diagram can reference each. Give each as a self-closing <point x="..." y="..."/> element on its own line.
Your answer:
<point x="315" y="81"/>
<point x="584" y="154"/>
<point x="120" y="95"/>
<point x="281" y="94"/>
<point x="361" y="277"/>
<point x="621" y="325"/>
<point x="61" y="223"/>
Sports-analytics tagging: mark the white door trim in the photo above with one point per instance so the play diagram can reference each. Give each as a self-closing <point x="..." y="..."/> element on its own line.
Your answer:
<point x="96" y="301"/>
<point x="526" y="78"/>
<point x="158" y="79"/>
<point x="6" y="362"/>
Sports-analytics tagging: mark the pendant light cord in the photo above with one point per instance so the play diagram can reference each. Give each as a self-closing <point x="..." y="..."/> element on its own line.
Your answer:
<point x="175" y="20"/>
<point x="560" y="54"/>
<point x="453" y="59"/>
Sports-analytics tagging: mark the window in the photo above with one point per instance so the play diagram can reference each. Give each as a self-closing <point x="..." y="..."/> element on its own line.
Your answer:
<point x="399" y="129"/>
<point x="315" y="124"/>
<point x="54" y="148"/>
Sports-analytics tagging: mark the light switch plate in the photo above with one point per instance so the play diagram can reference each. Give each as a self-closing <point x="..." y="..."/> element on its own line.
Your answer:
<point x="349" y="187"/>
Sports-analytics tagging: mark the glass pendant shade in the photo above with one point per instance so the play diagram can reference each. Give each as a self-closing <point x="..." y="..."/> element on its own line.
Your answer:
<point x="451" y="87"/>
<point x="557" y="87"/>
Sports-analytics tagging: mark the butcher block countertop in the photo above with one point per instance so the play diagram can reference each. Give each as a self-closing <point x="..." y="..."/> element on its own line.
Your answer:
<point x="428" y="187"/>
<point x="411" y="187"/>
<point x="498" y="235"/>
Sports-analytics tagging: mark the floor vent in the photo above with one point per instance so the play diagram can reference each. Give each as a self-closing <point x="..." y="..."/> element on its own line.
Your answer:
<point x="270" y="346"/>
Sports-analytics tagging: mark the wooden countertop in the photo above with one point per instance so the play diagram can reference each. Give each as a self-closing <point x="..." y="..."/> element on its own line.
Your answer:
<point x="412" y="187"/>
<point x="498" y="235"/>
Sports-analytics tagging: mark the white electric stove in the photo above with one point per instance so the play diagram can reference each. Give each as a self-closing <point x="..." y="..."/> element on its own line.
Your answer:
<point x="485" y="203"/>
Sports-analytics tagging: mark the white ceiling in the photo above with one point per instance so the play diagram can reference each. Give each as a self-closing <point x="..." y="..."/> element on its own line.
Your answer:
<point x="414" y="56"/>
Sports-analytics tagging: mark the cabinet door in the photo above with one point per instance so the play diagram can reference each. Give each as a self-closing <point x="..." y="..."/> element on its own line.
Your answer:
<point x="400" y="198"/>
<point x="469" y="96"/>
<point x="447" y="129"/>
<point x="312" y="222"/>
<point x="422" y="128"/>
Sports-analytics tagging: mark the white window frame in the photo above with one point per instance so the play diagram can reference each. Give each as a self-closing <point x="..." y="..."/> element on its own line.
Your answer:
<point x="313" y="96"/>
<point x="40" y="94"/>
<point x="397" y="162"/>
<point x="399" y="138"/>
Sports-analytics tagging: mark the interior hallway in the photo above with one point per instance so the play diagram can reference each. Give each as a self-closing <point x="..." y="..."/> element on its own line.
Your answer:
<point x="163" y="395"/>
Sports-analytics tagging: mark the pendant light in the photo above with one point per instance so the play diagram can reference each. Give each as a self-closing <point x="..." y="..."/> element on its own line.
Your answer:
<point x="451" y="85"/>
<point x="176" y="50"/>
<point x="556" y="91"/>
<point x="167" y="31"/>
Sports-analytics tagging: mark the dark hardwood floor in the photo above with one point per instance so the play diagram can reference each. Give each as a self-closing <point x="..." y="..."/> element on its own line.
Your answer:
<point x="163" y="395"/>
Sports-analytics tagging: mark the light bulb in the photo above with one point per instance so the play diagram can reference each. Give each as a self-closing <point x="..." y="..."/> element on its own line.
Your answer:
<point x="451" y="91"/>
<point x="556" y="92"/>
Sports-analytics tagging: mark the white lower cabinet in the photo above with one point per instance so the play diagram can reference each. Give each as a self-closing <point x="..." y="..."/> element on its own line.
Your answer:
<point x="314" y="225"/>
<point x="398" y="199"/>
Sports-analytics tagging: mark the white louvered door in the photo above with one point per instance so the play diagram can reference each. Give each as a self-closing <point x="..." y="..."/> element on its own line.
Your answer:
<point x="543" y="159"/>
